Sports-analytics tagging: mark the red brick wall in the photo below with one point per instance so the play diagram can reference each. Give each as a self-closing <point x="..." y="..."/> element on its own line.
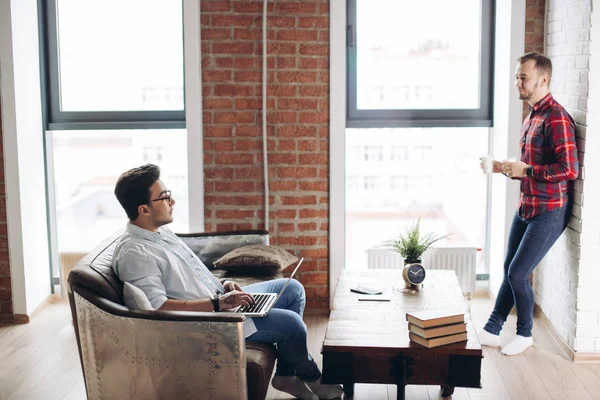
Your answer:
<point x="534" y="25"/>
<point x="298" y="126"/>
<point x="535" y="13"/>
<point x="6" y="312"/>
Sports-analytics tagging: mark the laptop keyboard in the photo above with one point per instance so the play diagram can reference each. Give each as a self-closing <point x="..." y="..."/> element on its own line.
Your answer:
<point x="260" y="301"/>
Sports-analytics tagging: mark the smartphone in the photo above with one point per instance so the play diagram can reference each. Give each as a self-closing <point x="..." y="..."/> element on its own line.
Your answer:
<point x="365" y="290"/>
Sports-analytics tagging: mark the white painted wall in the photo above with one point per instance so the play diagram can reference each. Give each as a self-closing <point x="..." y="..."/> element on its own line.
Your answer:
<point x="193" y="113"/>
<point x="510" y="40"/>
<point x="23" y="154"/>
<point x="567" y="283"/>
<point x="337" y="147"/>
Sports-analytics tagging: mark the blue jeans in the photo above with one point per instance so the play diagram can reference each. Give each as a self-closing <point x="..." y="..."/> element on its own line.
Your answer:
<point x="529" y="241"/>
<point x="284" y="326"/>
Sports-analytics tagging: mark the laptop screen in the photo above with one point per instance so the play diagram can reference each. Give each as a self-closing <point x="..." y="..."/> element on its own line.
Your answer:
<point x="289" y="279"/>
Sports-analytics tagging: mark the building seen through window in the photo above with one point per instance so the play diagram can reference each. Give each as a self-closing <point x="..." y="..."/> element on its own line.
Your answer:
<point x="87" y="210"/>
<point x="427" y="173"/>
<point x="418" y="93"/>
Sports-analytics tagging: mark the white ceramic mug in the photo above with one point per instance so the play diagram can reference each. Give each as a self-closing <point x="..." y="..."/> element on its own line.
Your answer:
<point x="487" y="162"/>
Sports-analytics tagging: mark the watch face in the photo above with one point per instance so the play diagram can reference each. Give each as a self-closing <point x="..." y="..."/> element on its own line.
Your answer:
<point x="416" y="274"/>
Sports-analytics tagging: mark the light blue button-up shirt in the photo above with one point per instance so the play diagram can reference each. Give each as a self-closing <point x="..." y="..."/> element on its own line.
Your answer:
<point x="164" y="267"/>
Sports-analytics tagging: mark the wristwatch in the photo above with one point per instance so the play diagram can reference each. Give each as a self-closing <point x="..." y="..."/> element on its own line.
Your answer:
<point x="215" y="300"/>
<point x="529" y="171"/>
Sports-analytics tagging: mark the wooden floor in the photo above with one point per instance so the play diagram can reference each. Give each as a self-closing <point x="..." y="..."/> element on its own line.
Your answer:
<point x="39" y="360"/>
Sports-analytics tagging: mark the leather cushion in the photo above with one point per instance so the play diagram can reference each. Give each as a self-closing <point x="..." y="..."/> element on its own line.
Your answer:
<point x="95" y="272"/>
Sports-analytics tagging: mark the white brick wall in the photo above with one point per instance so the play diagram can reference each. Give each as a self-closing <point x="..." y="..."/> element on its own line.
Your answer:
<point x="588" y="291"/>
<point x="567" y="282"/>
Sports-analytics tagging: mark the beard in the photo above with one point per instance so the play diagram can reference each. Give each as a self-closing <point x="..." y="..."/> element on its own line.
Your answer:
<point x="525" y="95"/>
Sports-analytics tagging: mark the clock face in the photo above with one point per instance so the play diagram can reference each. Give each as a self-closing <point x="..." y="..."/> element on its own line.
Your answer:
<point x="416" y="274"/>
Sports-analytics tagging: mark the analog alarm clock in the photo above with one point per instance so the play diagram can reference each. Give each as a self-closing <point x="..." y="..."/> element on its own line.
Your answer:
<point x="413" y="274"/>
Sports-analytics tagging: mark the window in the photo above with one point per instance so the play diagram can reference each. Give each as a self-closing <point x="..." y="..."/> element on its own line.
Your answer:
<point x="421" y="184"/>
<point x="399" y="183"/>
<point x="399" y="153"/>
<point x="352" y="183"/>
<point x="113" y="64"/>
<point x="441" y="183"/>
<point x="152" y="154"/>
<point x="113" y="87"/>
<point x="87" y="210"/>
<point x="371" y="182"/>
<point x="421" y="153"/>
<point x="410" y="65"/>
<point x="373" y="153"/>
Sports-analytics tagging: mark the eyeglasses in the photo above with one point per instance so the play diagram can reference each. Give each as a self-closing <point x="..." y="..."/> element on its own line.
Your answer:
<point x="167" y="197"/>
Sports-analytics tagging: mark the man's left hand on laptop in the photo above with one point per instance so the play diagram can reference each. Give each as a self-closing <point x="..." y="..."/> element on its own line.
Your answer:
<point x="234" y="299"/>
<point x="231" y="285"/>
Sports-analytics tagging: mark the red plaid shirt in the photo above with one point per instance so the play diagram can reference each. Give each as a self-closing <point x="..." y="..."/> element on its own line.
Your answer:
<point x="548" y="144"/>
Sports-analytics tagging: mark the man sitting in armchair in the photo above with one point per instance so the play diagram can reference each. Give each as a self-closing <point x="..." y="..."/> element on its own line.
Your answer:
<point x="152" y="258"/>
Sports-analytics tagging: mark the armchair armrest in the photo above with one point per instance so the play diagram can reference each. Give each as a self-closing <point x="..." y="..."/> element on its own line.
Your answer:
<point x="210" y="246"/>
<point x="119" y="310"/>
<point x="125" y="354"/>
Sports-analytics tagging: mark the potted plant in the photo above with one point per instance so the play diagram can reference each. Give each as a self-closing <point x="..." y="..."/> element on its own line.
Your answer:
<point x="412" y="244"/>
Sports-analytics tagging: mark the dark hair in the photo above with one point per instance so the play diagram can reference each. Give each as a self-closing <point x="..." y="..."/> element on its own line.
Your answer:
<point x="542" y="63"/>
<point x="133" y="188"/>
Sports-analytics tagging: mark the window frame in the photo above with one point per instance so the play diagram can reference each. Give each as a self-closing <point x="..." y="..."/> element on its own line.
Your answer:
<point x="480" y="117"/>
<point x="56" y="119"/>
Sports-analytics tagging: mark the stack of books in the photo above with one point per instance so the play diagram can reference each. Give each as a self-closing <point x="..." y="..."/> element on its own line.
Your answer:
<point x="433" y="328"/>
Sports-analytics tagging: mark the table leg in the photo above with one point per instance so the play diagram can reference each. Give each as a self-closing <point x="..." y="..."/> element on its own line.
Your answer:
<point x="349" y="388"/>
<point x="400" y="392"/>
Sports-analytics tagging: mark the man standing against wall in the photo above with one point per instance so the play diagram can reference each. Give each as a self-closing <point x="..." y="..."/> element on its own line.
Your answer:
<point x="548" y="162"/>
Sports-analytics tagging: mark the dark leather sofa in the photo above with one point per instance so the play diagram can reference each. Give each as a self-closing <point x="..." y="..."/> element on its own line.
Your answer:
<point x="159" y="354"/>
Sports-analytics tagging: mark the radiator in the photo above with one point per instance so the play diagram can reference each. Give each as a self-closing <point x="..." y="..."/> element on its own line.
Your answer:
<point x="462" y="260"/>
<point x="67" y="262"/>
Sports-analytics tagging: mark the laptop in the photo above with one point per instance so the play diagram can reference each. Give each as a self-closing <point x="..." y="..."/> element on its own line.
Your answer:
<point x="264" y="301"/>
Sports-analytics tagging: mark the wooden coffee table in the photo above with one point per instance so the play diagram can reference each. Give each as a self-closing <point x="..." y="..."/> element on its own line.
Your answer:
<point x="367" y="342"/>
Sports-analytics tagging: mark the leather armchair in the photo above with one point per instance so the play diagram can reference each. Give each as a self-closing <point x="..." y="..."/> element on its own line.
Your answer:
<point x="132" y="354"/>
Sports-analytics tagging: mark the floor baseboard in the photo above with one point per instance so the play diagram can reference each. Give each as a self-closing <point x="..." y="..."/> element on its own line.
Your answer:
<point x="578" y="357"/>
<point x="24" y="318"/>
<point x="21" y="319"/>
<point x="556" y="339"/>
<point x="587" y="358"/>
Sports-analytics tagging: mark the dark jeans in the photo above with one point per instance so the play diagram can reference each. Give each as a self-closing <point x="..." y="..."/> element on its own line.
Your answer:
<point x="285" y="327"/>
<point x="528" y="242"/>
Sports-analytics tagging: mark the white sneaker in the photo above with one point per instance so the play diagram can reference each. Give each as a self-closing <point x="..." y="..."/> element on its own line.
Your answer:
<point x="488" y="339"/>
